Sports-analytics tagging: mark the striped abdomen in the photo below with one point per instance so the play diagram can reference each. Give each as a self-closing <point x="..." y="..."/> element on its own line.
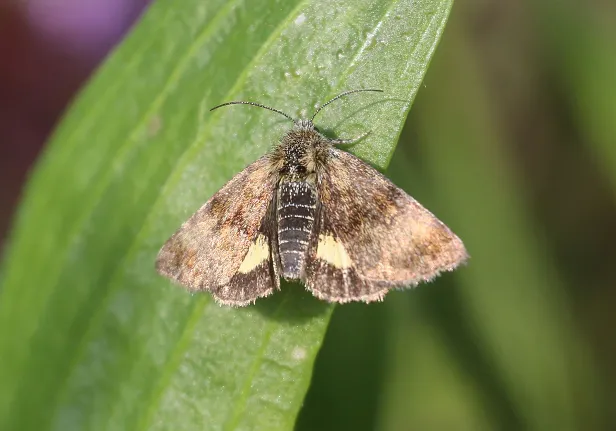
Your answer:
<point x="295" y="215"/>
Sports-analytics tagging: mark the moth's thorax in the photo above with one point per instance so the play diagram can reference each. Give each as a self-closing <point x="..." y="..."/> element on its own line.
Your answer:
<point x="302" y="151"/>
<point x="295" y="214"/>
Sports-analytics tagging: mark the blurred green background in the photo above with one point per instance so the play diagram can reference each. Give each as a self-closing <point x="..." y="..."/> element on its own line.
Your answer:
<point x="512" y="142"/>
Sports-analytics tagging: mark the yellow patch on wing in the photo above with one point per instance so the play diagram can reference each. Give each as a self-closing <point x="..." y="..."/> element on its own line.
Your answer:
<point x="333" y="252"/>
<point x="257" y="254"/>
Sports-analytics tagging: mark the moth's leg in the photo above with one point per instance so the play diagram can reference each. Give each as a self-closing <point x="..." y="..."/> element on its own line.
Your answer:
<point x="349" y="141"/>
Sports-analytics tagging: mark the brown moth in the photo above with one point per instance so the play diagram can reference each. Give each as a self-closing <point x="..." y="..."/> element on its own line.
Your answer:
<point x="309" y="211"/>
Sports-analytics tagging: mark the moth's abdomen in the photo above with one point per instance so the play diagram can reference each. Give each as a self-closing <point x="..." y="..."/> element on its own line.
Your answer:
<point x="295" y="215"/>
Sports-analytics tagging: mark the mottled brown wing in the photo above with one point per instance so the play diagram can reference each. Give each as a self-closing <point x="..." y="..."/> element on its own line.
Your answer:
<point x="224" y="248"/>
<point x="372" y="236"/>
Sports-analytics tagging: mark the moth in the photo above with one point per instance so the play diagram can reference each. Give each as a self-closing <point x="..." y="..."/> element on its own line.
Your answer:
<point x="312" y="212"/>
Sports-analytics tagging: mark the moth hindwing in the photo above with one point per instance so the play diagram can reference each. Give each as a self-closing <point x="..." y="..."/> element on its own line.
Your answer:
<point x="308" y="211"/>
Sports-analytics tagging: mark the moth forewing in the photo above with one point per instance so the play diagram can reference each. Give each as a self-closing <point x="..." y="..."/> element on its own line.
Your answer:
<point x="256" y="276"/>
<point x="211" y="246"/>
<point x="373" y="236"/>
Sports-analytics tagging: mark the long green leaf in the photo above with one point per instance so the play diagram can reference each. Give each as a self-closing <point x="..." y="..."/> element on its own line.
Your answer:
<point x="90" y="337"/>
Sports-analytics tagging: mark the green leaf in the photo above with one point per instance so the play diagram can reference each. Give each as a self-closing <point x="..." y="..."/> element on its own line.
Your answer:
<point x="90" y="336"/>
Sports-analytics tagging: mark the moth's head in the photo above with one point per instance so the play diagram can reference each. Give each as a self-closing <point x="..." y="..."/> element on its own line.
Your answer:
<point x="304" y="124"/>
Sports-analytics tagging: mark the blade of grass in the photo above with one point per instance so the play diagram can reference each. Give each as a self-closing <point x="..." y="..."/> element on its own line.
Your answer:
<point x="91" y="337"/>
<point x="581" y="47"/>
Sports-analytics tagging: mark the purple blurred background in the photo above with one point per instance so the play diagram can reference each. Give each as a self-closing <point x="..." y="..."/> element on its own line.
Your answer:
<point x="48" y="48"/>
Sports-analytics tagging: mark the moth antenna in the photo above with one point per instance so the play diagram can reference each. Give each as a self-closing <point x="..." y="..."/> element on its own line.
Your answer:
<point x="346" y="93"/>
<point x="241" y="102"/>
